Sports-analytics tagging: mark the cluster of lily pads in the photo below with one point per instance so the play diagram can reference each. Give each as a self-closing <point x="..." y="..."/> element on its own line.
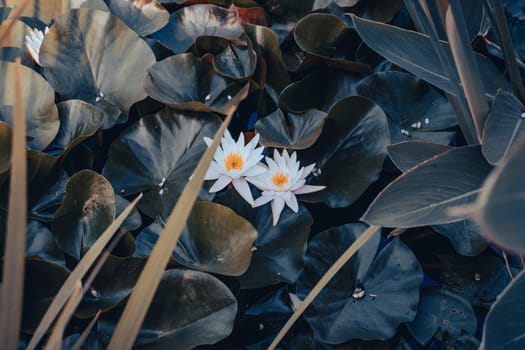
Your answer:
<point x="122" y="97"/>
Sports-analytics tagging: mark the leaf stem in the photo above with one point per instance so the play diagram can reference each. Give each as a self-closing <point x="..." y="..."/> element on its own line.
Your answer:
<point x="507" y="264"/>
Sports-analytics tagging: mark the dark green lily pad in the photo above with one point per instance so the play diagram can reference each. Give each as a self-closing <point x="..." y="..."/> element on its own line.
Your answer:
<point x="267" y="45"/>
<point x="216" y="240"/>
<point x="350" y="151"/>
<point x="190" y="22"/>
<point x="190" y="308"/>
<point x="465" y="236"/>
<point x="41" y="243"/>
<point x="505" y="124"/>
<point x="480" y="279"/>
<point x="78" y="121"/>
<point x="408" y="154"/>
<point x="278" y="250"/>
<point x="143" y="16"/>
<point x="229" y="58"/>
<point x="147" y="238"/>
<point x="291" y="131"/>
<point x="87" y="209"/>
<point x="413" y="107"/>
<point x="424" y="194"/>
<point x="187" y="82"/>
<point x="82" y="56"/>
<point x="157" y="155"/>
<point x="504" y="327"/>
<point x="378" y="10"/>
<point x="390" y="284"/>
<point x="42" y="281"/>
<point x="304" y="94"/>
<point x="48" y="10"/>
<point x="134" y="220"/>
<point x="442" y="309"/>
<point x="38" y="98"/>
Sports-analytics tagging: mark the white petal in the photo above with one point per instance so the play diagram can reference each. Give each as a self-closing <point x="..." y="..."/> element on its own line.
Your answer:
<point x="297" y="185"/>
<point x="277" y="208"/>
<point x="308" y="189"/>
<point x="221" y="182"/>
<point x="253" y="142"/>
<point x="208" y="141"/>
<point x="244" y="190"/>
<point x="214" y="171"/>
<point x="265" y="198"/>
<point x="240" y="141"/>
<point x="257" y="169"/>
<point x="258" y="182"/>
<point x="308" y="169"/>
<point x="291" y="202"/>
<point x="293" y="158"/>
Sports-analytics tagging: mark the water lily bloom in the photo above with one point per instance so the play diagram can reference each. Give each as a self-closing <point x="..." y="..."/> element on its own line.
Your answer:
<point x="34" y="41"/>
<point x="233" y="162"/>
<point x="283" y="180"/>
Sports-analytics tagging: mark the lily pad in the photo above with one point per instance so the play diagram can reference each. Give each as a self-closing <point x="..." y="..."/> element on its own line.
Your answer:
<point x="424" y="194"/>
<point x="350" y="151"/>
<point x="157" y="155"/>
<point x="78" y="121"/>
<point x="143" y="16"/>
<point x="500" y="204"/>
<point x="504" y="326"/>
<point x="389" y="286"/>
<point x="190" y="308"/>
<point x="82" y="55"/>
<point x="408" y="154"/>
<point x="38" y="98"/>
<point x="278" y="250"/>
<point x="442" y="309"/>
<point x="505" y="124"/>
<point x="187" y="82"/>
<point x="190" y="22"/>
<point x="48" y="10"/>
<point x="41" y="243"/>
<point x="291" y="131"/>
<point x="465" y="236"/>
<point x="134" y="220"/>
<point x="87" y="209"/>
<point x="216" y="240"/>
<point x="480" y="279"/>
<point x="413" y="107"/>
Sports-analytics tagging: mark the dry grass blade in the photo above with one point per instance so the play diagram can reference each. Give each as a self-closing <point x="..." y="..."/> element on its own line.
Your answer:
<point x="16" y="14"/>
<point x="15" y="242"/>
<point x="55" y="339"/>
<point x="76" y="275"/>
<point x="323" y="282"/>
<point x="142" y="295"/>
<point x="82" y="339"/>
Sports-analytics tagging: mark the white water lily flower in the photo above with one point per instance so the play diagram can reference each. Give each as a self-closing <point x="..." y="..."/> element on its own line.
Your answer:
<point x="34" y="41"/>
<point x="232" y="162"/>
<point x="283" y="180"/>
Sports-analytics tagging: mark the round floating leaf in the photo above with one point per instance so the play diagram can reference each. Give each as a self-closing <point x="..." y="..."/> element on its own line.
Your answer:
<point x="143" y="16"/>
<point x="157" y="155"/>
<point x="480" y="279"/>
<point x="42" y="281"/>
<point x="87" y="209"/>
<point x="292" y="131"/>
<point x="444" y="310"/>
<point x="190" y="22"/>
<point x="133" y="221"/>
<point x="38" y="98"/>
<point x="190" y="308"/>
<point x="231" y="59"/>
<point x="500" y="203"/>
<point x="48" y="10"/>
<point x="185" y="81"/>
<point x="379" y="10"/>
<point x="424" y="194"/>
<point x="147" y="238"/>
<point x="505" y="124"/>
<point x="465" y="236"/>
<point x="350" y="151"/>
<point x="41" y="243"/>
<point x="5" y="147"/>
<point x="504" y="327"/>
<point x="83" y="58"/>
<point x="390" y="284"/>
<point x="78" y="121"/>
<point x="216" y="240"/>
<point x="305" y="94"/>
<point x="412" y="106"/>
<point x="278" y="250"/>
<point x="408" y="154"/>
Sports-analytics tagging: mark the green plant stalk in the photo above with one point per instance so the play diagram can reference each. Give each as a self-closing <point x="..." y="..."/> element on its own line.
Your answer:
<point x="15" y="242"/>
<point x="77" y="274"/>
<point x="466" y="64"/>
<point x="138" y="304"/>
<point x="17" y="11"/>
<point x="508" y="50"/>
<point x="343" y="259"/>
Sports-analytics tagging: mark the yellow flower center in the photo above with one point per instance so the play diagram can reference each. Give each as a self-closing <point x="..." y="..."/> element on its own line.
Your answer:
<point x="280" y="179"/>
<point x="233" y="161"/>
